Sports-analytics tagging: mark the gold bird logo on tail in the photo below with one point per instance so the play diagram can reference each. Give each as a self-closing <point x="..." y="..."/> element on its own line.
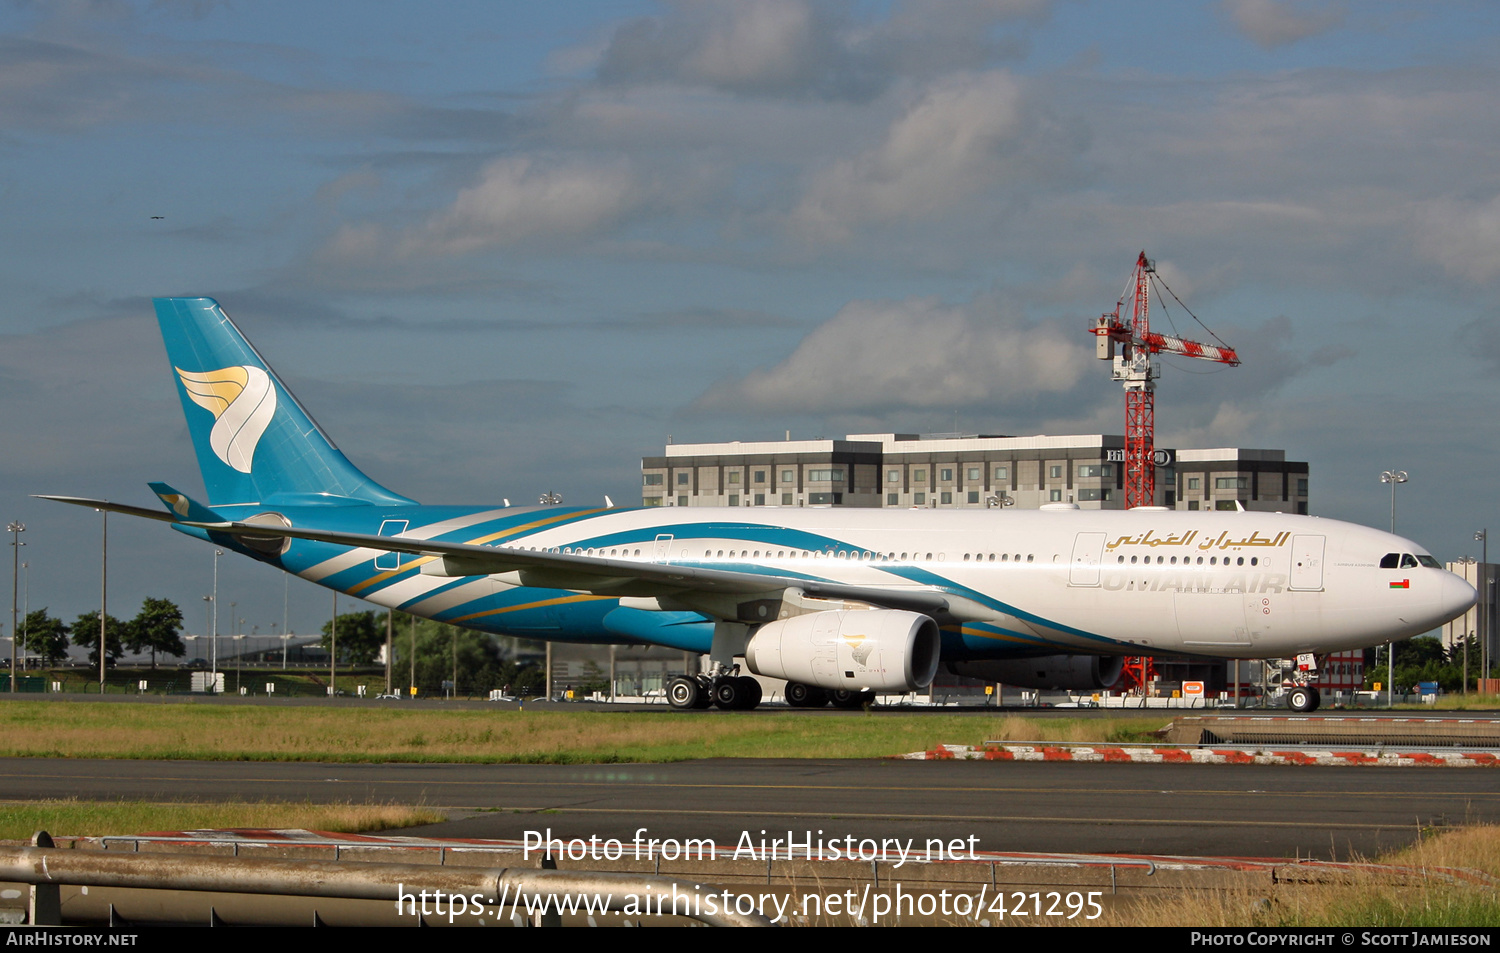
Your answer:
<point x="242" y="400"/>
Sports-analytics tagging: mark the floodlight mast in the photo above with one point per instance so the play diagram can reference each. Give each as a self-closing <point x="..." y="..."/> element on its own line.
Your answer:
<point x="1134" y="369"/>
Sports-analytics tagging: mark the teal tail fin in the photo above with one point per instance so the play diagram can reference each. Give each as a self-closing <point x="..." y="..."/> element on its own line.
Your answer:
<point x="255" y="443"/>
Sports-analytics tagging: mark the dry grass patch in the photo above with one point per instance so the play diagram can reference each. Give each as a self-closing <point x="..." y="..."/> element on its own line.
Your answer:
<point x="256" y="733"/>
<point x="1450" y="879"/>
<point x="74" y="818"/>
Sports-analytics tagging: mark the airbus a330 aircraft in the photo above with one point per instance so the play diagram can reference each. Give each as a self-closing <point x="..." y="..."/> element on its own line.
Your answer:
<point x="842" y="603"/>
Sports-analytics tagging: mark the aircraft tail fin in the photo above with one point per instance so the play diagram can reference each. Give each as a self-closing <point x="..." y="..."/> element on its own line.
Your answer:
<point x="255" y="443"/>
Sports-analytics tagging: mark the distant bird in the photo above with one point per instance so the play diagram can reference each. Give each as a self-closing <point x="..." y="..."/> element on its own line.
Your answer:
<point x="155" y="217"/>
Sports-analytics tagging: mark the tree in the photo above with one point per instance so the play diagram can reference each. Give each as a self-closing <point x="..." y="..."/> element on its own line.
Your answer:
<point x="46" y="636"/>
<point x="360" y="637"/>
<point x="86" y="632"/>
<point x="482" y="666"/>
<point x="156" y="628"/>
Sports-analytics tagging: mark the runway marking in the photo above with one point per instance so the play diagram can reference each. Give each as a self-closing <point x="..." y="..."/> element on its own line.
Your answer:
<point x="844" y="815"/>
<point x="712" y="786"/>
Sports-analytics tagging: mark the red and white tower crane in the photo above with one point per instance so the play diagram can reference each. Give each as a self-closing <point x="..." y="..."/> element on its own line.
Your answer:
<point x="1134" y="369"/>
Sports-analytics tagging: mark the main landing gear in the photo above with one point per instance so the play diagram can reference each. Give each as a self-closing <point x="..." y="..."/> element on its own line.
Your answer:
<point x="799" y="695"/>
<point x="729" y="692"/>
<point x="1303" y="698"/>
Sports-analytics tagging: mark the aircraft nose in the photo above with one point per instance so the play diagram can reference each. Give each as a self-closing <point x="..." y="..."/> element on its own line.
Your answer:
<point x="1455" y="596"/>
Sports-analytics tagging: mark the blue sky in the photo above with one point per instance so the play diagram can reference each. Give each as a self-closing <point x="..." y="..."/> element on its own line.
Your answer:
<point x="502" y="248"/>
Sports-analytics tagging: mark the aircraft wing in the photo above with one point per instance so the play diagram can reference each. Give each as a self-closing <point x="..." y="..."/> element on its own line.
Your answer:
<point x="592" y="574"/>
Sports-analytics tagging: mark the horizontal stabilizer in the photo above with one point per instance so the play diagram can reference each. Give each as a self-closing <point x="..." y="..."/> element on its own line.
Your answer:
<point x="184" y="506"/>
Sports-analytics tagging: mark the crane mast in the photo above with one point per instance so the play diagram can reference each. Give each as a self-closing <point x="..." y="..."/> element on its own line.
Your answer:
<point x="1134" y="369"/>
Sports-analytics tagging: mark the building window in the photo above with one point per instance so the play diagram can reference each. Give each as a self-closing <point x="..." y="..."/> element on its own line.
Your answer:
<point x="760" y="476"/>
<point x="786" y="499"/>
<point x="760" y="499"/>
<point x="946" y="475"/>
<point x="651" y="501"/>
<point x="682" y="479"/>
<point x="973" y="496"/>
<point x="1054" y="496"/>
<point x="1192" y="504"/>
<point x="919" y="499"/>
<point x="1302" y="487"/>
<point x="788" y="476"/>
<point x="972" y="474"/>
<point x="893" y="477"/>
<point x="1092" y="495"/>
<point x="1054" y="473"/>
<point x="682" y="501"/>
<point x="1224" y="504"/>
<point x="1002" y="473"/>
<point x="1193" y="483"/>
<point x="734" y="476"/>
<point x="825" y="499"/>
<point x="835" y="475"/>
<point x="946" y="499"/>
<point x="1232" y="483"/>
<point x="734" y="499"/>
<point x="1104" y="470"/>
<point x="893" y="499"/>
<point x="919" y="476"/>
<point x="653" y="479"/>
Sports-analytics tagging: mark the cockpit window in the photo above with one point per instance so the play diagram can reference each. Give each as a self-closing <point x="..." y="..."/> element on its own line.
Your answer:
<point x="1429" y="562"/>
<point x="1390" y="561"/>
<point x="1408" y="561"/>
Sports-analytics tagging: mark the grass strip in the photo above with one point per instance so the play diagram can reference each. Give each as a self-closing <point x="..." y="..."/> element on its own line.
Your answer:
<point x="74" y="818"/>
<point x="252" y="733"/>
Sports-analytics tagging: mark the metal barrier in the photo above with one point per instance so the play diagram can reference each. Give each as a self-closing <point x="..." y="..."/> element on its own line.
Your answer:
<point x="47" y="868"/>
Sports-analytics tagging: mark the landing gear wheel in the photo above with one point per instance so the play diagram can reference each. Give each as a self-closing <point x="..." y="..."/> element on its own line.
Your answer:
<point x="850" y="700"/>
<point x="683" y="693"/>
<point x="705" y="692"/>
<point x="752" y="692"/>
<point x="737" y="693"/>
<point x="729" y="694"/>
<point x="799" y="695"/>
<point x="1303" y="699"/>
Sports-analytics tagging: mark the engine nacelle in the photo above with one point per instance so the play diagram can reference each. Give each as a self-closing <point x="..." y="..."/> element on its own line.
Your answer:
<point x="885" y="650"/>
<point x="1068" y="672"/>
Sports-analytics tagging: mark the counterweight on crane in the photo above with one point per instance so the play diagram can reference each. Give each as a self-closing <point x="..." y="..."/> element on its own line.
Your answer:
<point x="1134" y="369"/>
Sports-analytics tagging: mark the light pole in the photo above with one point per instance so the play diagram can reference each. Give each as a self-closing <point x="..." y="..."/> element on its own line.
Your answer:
<point x="15" y="529"/>
<point x="1393" y="477"/>
<point x="25" y="604"/>
<point x="103" y="593"/>
<point x="1483" y="578"/>
<point x="1466" y="562"/>
<point x="213" y="648"/>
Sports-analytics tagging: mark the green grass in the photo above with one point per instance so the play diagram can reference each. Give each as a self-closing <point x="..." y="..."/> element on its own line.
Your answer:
<point x="367" y="734"/>
<point x="72" y="818"/>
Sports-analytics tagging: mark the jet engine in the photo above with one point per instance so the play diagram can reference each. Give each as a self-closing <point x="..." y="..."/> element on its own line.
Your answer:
<point x="884" y="650"/>
<point x="1069" y="672"/>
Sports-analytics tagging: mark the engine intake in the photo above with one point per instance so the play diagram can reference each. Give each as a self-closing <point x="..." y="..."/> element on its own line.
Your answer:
<point x="884" y="650"/>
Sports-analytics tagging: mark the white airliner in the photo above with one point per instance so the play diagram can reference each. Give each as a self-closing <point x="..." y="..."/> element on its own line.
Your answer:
<point x="842" y="603"/>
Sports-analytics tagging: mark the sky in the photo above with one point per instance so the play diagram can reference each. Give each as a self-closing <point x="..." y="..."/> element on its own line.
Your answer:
<point x="499" y="248"/>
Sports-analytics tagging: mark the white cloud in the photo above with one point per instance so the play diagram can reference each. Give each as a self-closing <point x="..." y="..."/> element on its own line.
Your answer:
<point x="947" y="145"/>
<point x="1273" y="23"/>
<point x="912" y="354"/>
